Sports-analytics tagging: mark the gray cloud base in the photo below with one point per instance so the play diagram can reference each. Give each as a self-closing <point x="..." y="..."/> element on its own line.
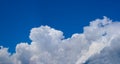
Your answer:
<point x="98" y="44"/>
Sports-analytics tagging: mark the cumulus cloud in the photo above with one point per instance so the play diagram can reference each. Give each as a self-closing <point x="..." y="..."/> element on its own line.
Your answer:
<point x="98" y="44"/>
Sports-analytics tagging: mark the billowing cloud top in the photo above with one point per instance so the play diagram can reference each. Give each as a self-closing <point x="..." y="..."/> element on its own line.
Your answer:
<point x="98" y="44"/>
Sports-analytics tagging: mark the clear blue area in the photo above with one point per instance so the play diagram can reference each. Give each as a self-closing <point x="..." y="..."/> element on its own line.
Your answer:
<point x="17" y="17"/>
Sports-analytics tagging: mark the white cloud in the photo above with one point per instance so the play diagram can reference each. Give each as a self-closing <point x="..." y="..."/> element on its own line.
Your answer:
<point x="5" y="56"/>
<point x="98" y="44"/>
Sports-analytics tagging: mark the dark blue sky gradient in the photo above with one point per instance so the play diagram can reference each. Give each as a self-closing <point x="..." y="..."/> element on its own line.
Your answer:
<point x="17" y="17"/>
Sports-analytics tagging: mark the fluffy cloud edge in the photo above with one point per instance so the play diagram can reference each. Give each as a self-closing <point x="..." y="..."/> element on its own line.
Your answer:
<point x="49" y="46"/>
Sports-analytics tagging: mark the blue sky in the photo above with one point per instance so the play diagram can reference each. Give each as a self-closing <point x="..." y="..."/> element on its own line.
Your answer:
<point x="17" y="17"/>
